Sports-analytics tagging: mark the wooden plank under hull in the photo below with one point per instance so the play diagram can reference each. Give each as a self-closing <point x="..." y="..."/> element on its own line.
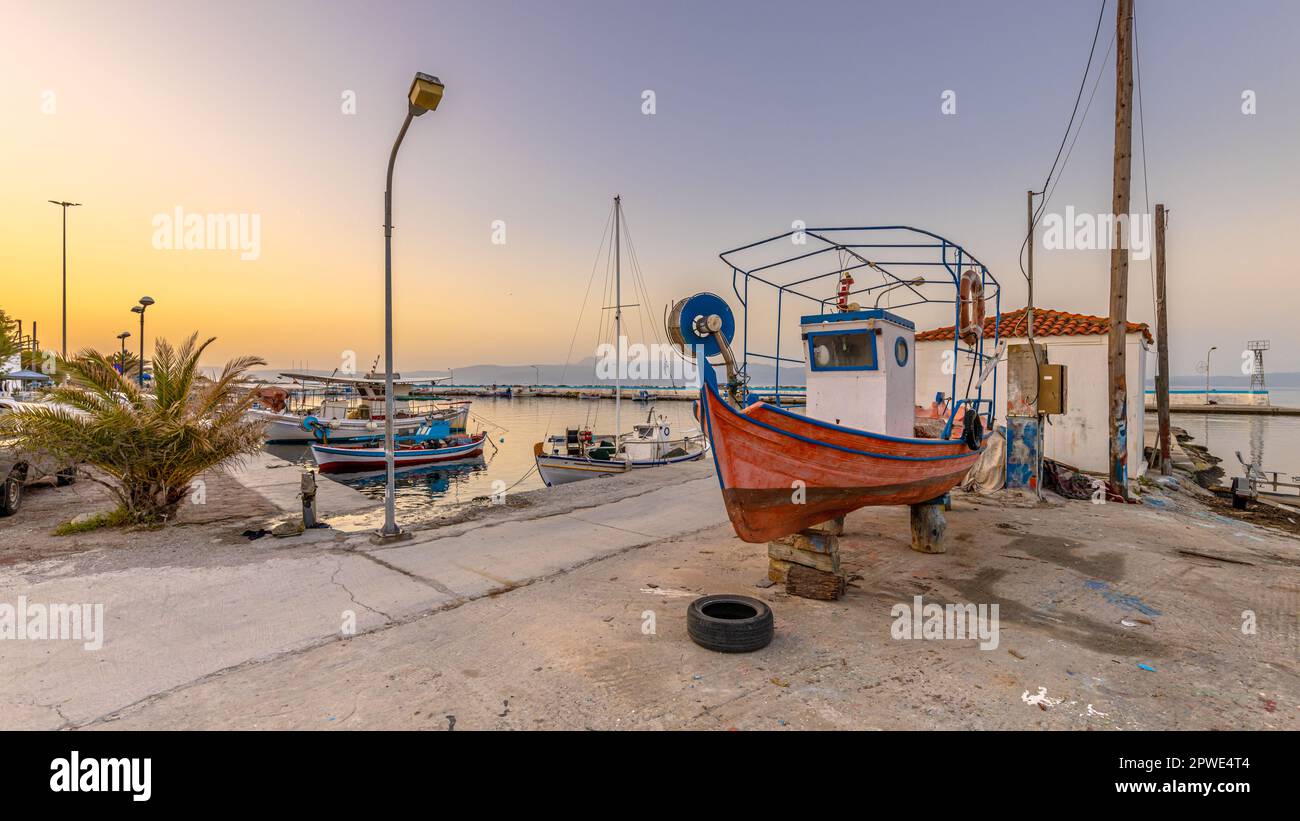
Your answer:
<point x="781" y="473"/>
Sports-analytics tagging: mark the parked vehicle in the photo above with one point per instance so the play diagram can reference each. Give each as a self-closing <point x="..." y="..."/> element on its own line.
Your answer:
<point x="20" y="468"/>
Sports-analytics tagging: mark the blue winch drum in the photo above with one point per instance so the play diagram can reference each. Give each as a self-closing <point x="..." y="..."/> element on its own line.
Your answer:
<point x="705" y="304"/>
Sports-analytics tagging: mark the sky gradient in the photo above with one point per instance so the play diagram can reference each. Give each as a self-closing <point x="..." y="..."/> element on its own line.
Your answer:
<point x="765" y="113"/>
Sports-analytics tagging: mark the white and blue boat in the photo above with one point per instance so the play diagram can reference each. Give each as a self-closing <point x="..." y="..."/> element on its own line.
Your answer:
<point x="432" y="443"/>
<point x="581" y="454"/>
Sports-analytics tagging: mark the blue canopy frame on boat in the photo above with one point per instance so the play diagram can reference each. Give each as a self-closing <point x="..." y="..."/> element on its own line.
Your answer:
<point x="926" y="266"/>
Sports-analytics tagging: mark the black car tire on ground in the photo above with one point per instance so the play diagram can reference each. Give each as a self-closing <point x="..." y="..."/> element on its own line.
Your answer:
<point x="729" y="624"/>
<point x="11" y="494"/>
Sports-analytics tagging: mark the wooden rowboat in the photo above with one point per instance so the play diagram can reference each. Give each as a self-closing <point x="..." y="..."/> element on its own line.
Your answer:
<point x="346" y="458"/>
<point x="781" y="472"/>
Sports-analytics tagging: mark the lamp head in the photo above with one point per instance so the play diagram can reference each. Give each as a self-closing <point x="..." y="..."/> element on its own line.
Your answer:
<point x="425" y="93"/>
<point x="137" y="309"/>
<point x="146" y="301"/>
<point x="124" y="335"/>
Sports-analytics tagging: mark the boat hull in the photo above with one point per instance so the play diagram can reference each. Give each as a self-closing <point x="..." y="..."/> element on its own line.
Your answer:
<point x="781" y="472"/>
<point x="562" y="470"/>
<point x="287" y="428"/>
<point x="345" y="459"/>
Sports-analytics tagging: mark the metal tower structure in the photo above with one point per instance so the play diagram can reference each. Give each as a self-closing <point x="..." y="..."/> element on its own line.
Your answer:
<point x="1257" y="372"/>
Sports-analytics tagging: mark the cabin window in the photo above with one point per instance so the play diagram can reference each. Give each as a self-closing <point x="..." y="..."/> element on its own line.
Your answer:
<point x="842" y="350"/>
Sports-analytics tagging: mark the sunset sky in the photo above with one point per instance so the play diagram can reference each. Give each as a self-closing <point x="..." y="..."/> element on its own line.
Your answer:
<point x="765" y="113"/>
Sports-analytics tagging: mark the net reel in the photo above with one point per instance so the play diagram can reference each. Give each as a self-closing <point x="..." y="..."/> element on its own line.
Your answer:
<point x="703" y="324"/>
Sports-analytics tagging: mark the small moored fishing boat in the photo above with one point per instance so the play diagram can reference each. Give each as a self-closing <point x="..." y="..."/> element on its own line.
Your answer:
<point x="580" y="453"/>
<point x="342" y="409"/>
<point x="432" y="443"/>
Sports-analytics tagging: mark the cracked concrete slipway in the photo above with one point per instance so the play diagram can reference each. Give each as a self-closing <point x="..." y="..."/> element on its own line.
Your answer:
<point x="565" y="608"/>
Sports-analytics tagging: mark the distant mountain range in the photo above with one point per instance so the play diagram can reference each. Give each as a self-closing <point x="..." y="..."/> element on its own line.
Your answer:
<point x="583" y="373"/>
<point x="578" y="373"/>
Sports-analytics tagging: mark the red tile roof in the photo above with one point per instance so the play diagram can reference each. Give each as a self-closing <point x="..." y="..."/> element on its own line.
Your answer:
<point x="1046" y="323"/>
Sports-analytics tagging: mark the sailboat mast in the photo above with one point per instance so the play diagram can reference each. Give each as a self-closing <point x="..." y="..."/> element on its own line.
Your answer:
<point x="618" y="319"/>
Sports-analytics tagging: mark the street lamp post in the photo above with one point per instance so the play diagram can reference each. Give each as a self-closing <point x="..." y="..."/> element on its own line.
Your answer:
<point x="537" y="375"/>
<point x="121" y="362"/>
<point x="145" y="302"/>
<point x="424" y="95"/>
<point x="65" y="206"/>
<point x="1207" y="372"/>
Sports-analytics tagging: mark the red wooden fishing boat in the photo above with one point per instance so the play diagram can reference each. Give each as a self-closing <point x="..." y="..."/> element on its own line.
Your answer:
<point x="781" y="472"/>
<point x="863" y="440"/>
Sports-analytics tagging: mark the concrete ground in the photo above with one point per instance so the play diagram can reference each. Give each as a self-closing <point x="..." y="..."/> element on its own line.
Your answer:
<point x="565" y="609"/>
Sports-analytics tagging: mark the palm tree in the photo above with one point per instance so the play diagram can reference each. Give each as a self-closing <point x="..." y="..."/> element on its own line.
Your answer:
<point x="151" y="445"/>
<point x="130" y="364"/>
<point x="9" y="343"/>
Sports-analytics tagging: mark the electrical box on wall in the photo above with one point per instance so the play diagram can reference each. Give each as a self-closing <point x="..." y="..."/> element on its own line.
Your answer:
<point x="1051" y="389"/>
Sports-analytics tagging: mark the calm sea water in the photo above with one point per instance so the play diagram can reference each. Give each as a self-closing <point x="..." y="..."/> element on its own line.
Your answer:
<point x="1271" y="442"/>
<point x="514" y="425"/>
<point x="1268" y="442"/>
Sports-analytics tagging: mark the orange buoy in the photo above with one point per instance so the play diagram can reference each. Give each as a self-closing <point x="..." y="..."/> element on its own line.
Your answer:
<point x="972" y="307"/>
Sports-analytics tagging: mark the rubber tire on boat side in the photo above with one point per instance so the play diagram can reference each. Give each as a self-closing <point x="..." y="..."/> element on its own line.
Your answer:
<point x="972" y="430"/>
<point x="729" y="635"/>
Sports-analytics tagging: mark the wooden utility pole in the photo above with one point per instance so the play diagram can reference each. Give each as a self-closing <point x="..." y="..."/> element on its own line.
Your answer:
<point x="1118" y="382"/>
<point x="1162" y="345"/>
<point x="1029" y="310"/>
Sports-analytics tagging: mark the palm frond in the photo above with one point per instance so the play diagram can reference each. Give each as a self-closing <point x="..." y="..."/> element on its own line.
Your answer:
<point x="152" y="447"/>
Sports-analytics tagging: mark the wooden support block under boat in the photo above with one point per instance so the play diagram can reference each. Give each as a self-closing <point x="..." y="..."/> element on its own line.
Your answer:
<point x="777" y="570"/>
<point x="810" y="583"/>
<point x="811" y="558"/>
<point x="928" y="527"/>
<point x="810" y="541"/>
<point x="833" y="527"/>
<point x="829" y="562"/>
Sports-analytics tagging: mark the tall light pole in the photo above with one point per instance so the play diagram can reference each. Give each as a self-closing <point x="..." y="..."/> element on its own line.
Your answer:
<point x="1207" y="372"/>
<point x="122" y="359"/>
<point x="65" y="206"/>
<point x="145" y="302"/>
<point x="537" y="375"/>
<point x="425" y="94"/>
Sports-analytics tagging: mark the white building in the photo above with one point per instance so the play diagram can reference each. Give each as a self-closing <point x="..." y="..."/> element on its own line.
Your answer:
<point x="1080" y="437"/>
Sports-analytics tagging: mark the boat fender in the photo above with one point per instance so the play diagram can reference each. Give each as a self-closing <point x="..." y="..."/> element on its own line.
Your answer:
<point x="972" y="432"/>
<point x="972" y="307"/>
<point x="310" y="423"/>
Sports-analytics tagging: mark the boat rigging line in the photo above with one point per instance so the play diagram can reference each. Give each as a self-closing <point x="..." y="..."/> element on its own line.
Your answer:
<point x="595" y="264"/>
